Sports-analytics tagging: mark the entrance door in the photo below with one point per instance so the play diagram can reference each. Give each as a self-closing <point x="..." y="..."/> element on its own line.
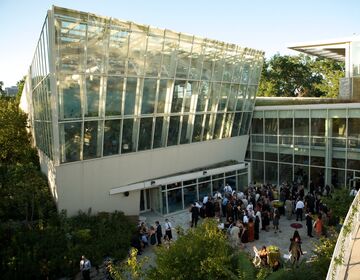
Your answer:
<point x="145" y="200"/>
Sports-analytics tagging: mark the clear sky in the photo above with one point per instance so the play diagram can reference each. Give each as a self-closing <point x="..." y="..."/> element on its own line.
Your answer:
<point x="268" y="25"/>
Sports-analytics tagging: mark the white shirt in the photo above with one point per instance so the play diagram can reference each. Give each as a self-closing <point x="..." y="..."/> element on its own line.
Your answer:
<point x="299" y="205"/>
<point x="167" y="225"/>
<point x="245" y="219"/>
<point x="205" y="199"/>
<point x="228" y="189"/>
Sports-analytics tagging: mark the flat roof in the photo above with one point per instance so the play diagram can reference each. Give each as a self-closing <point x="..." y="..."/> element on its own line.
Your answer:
<point x="331" y="48"/>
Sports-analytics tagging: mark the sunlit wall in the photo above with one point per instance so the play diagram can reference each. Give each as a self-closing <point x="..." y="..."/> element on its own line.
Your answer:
<point x="124" y="87"/>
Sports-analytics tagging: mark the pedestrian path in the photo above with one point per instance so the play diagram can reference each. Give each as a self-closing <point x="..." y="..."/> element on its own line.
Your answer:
<point x="353" y="267"/>
<point x="279" y="239"/>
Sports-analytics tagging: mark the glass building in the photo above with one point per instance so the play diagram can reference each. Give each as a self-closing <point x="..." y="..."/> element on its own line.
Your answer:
<point x="304" y="143"/>
<point x="135" y="118"/>
<point x="114" y="102"/>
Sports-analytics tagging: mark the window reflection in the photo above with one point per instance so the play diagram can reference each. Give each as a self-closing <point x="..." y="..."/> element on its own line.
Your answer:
<point x="130" y="96"/>
<point x="145" y="134"/>
<point x="111" y="137"/>
<point x="114" y="91"/>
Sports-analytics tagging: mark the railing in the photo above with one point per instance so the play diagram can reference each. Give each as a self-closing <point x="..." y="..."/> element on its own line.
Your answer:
<point x="342" y="252"/>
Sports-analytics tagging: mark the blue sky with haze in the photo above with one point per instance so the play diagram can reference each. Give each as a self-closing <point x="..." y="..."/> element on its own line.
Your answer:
<point x="261" y="24"/>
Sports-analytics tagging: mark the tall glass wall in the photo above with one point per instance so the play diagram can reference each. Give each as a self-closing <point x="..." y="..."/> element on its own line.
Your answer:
<point x="321" y="145"/>
<point x="178" y="196"/>
<point x="124" y="87"/>
<point x="40" y="92"/>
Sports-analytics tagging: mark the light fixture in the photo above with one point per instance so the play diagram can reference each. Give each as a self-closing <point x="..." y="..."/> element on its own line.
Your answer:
<point x="204" y="172"/>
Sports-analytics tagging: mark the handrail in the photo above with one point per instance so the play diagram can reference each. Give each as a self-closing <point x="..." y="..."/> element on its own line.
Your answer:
<point x="341" y="255"/>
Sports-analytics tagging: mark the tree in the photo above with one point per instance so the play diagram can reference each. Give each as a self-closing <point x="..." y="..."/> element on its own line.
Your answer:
<point x="301" y="75"/>
<point x="201" y="253"/>
<point x="2" y="92"/>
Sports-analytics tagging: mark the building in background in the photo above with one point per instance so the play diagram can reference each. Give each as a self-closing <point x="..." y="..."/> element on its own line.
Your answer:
<point x="133" y="118"/>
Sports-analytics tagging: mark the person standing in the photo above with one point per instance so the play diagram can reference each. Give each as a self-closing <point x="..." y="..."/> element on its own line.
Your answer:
<point x="168" y="231"/>
<point x="194" y="215"/>
<point x="299" y="209"/>
<point x="85" y="266"/>
<point x="309" y="224"/>
<point x="158" y="233"/>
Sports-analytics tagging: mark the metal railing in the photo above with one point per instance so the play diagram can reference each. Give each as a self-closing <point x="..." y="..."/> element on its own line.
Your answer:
<point x="342" y="252"/>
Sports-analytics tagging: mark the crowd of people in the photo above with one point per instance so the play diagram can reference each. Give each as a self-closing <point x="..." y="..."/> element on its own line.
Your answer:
<point x="246" y="215"/>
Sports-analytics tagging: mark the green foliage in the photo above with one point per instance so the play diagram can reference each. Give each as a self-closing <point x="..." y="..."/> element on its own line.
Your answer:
<point x="244" y="267"/>
<point x="201" y="253"/>
<point x="36" y="242"/>
<point x="300" y="76"/>
<point x="339" y="210"/>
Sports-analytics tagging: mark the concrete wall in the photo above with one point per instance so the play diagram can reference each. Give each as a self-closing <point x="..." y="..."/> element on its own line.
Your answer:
<point x="81" y="185"/>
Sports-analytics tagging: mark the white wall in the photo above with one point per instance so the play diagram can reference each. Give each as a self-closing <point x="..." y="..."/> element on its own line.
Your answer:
<point x="85" y="184"/>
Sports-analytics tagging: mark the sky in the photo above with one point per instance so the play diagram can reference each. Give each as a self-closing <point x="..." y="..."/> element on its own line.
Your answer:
<point x="268" y="25"/>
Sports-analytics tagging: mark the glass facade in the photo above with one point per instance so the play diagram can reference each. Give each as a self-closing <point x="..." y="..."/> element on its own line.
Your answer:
<point x="177" y="196"/>
<point x="319" y="144"/>
<point x="124" y="87"/>
<point x="41" y="94"/>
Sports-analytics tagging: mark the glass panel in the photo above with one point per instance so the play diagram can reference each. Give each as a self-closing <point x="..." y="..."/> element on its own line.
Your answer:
<point x="136" y="53"/>
<point x="148" y="96"/>
<point x="271" y="126"/>
<point x="301" y="175"/>
<point x="339" y="127"/>
<point x="317" y="127"/>
<point x="207" y="135"/>
<point x="285" y="140"/>
<point x="92" y="145"/>
<point x="338" y="162"/>
<point x="70" y="141"/>
<point x="165" y="87"/>
<point x="114" y="91"/>
<point x="234" y="89"/>
<point x="353" y="164"/>
<point x="224" y="95"/>
<point x="178" y="96"/>
<point x="285" y="126"/>
<point x="301" y="127"/>
<point x="338" y="178"/>
<point x="183" y="57"/>
<point x="70" y="97"/>
<point x="271" y="156"/>
<point x="245" y="123"/>
<point x="285" y="173"/>
<point x="159" y="140"/>
<point x="301" y="141"/>
<point x="96" y="43"/>
<point x="196" y="61"/>
<point x="317" y="176"/>
<point x="236" y="125"/>
<point x="218" y="126"/>
<point x="185" y="131"/>
<point x="111" y="137"/>
<point x="118" y="50"/>
<point x="242" y="182"/>
<point x="153" y="56"/>
<point x="190" y="195"/>
<point x="257" y="126"/>
<point x="257" y="155"/>
<point x="164" y="204"/>
<point x="354" y="127"/>
<point x="231" y="181"/>
<point x="130" y="96"/>
<point x="204" y="190"/>
<point x="71" y="43"/>
<point x="128" y="138"/>
<point x="227" y="125"/>
<point x="271" y="172"/>
<point x="175" y="202"/>
<point x="203" y="97"/>
<point x="218" y="185"/>
<point x="173" y="130"/>
<point x="285" y="155"/>
<point x="241" y="98"/>
<point x="145" y="134"/>
<point x="92" y="96"/>
<point x="301" y="159"/>
<point x="320" y="161"/>
<point x="258" y="171"/>
<point x="169" y="57"/>
<point x="197" y="128"/>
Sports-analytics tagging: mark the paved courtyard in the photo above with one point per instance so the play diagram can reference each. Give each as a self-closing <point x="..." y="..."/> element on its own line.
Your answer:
<point x="280" y="239"/>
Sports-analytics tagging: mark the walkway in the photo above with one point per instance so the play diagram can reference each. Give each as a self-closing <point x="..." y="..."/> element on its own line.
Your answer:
<point x="281" y="240"/>
<point x="353" y="269"/>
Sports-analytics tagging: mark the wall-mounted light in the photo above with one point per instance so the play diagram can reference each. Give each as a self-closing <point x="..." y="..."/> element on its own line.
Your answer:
<point x="204" y="172"/>
<point x="126" y="193"/>
<point x="152" y="182"/>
